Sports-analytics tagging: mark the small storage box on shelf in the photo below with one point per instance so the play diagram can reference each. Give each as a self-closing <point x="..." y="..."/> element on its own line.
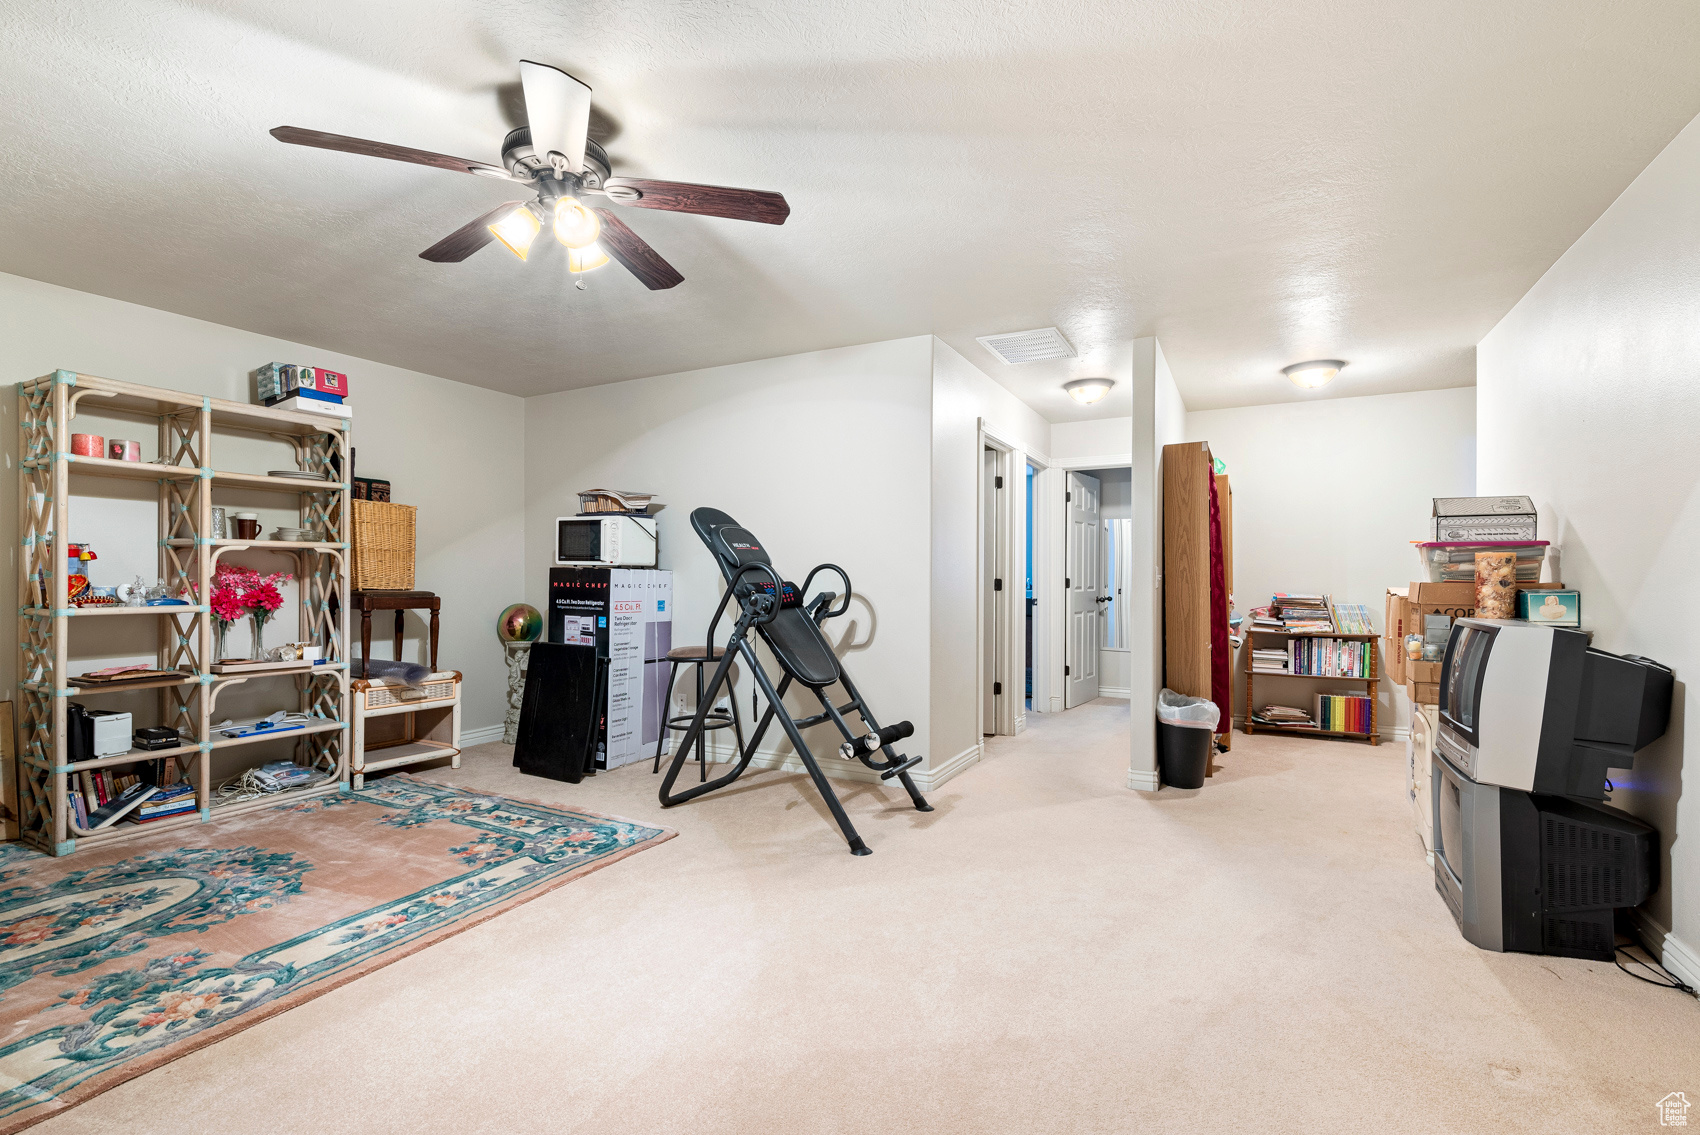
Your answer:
<point x="187" y="478"/>
<point x="398" y="725"/>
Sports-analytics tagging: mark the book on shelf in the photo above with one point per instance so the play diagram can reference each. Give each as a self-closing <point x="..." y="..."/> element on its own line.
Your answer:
<point x="1329" y="657"/>
<point x="1352" y="618"/>
<point x="1343" y="713"/>
<point x="114" y="809"/>
<point x="1287" y="715"/>
<point x="172" y="801"/>
<point x="1304" y="613"/>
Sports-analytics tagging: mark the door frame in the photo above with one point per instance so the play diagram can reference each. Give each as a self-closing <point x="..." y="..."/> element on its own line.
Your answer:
<point x="1051" y="614"/>
<point x="1010" y="716"/>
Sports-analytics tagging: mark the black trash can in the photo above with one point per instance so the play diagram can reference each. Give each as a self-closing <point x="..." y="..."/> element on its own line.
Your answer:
<point x="1183" y="754"/>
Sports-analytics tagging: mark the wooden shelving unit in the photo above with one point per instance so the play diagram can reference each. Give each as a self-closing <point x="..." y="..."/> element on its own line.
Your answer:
<point x="1370" y="684"/>
<point x="187" y="559"/>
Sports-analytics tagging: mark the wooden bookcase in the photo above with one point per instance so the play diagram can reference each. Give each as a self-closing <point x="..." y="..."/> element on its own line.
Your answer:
<point x="187" y="481"/>
<point x="1188" y="472"/>
<point x="1369" y="684"/>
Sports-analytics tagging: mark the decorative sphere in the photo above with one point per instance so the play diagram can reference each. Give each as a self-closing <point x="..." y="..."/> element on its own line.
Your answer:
<point x="520" y="623"/>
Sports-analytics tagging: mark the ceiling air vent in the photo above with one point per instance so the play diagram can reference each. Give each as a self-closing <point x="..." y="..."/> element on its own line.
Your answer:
<point x="1028" y="346"/>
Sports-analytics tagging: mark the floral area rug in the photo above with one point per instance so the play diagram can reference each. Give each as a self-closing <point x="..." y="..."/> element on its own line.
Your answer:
<point x="115" y="961"/>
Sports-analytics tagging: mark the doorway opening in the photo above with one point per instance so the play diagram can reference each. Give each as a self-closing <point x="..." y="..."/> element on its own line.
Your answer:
<point x="1097" y="647"/>
<point x="1029" y="601"/>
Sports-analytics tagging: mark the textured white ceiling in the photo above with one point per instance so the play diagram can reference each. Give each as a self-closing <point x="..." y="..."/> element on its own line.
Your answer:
<point x="1255" y="184"/>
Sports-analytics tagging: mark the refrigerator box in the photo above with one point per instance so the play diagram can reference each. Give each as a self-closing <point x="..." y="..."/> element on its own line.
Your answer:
<point x="1555" y="608"/>
<point x="623" y="618"/>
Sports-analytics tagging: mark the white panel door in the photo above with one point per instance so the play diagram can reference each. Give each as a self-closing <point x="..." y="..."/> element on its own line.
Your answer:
<point x="1084" y="584"/>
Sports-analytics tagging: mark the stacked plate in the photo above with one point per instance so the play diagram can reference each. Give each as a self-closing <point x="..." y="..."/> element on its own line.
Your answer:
<point x="305" y="535"/>
<point x="299" y="474"/>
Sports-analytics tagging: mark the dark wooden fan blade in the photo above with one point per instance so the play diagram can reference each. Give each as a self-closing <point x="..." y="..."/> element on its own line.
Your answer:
<point x="635" y="255"/>
<point x="469" y="238"/>
<point x="296" y="136"/>
<point x="708" y="200"/>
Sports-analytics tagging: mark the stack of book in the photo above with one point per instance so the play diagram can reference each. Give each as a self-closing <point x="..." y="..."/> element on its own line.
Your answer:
<point x="1343" y="714"/>
<point x="177" y="800"/>
<point x="1352" y="618"/>
<point x="313" y="390"/>
<point x="1287" y="715"/>
<point x="1271" y="660"/>
<point x="1301" y="613"/>
<point x="1263" y="619"/>
<point x="1327" y="657"/>
<point x="100" y="796"/>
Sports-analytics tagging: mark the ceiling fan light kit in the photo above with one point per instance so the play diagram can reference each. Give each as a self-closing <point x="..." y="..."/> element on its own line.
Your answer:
<point x="517" y="230"/>
<point x="555" y="158"/>
<point x="1317" y="372"/>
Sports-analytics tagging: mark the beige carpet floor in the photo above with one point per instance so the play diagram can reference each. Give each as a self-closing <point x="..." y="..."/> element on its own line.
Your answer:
<point x="1046" y="952"/>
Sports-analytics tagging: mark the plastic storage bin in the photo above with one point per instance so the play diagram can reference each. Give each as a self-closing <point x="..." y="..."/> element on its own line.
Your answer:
<point x="1456" y="563"/>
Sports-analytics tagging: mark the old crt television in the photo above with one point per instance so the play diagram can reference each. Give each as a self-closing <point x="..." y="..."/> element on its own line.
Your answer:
<point x="1531" y="719"/>
<point x="1535" y="707"/>
<point x="1536" y="874"/>
<point x="606" y="541"/>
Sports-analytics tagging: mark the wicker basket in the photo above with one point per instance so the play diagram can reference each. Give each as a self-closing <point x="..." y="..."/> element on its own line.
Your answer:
<point x="383" y="546"/>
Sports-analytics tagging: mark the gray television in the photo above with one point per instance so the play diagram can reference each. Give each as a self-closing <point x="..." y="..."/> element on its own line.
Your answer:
<point x="1527" y="855"/>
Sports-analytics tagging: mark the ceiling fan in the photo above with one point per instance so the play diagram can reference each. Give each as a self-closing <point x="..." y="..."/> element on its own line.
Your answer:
<point x="555" y="158"/>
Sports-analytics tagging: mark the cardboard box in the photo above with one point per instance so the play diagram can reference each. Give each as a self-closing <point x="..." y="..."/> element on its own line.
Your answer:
<point x="1393" y="634"/>
<point x="1425" y="673"/>
<point x="1554" y="608"/>
<point x="1423" y="693"/>
<point x="1457" y="598"/>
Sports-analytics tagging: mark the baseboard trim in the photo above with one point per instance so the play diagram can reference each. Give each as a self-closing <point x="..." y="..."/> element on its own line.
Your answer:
<point x="1115" y="692"/>
<point x="481" y="736"/>
<point x="1672" y="952"/>
<point x="1143" y="780"/>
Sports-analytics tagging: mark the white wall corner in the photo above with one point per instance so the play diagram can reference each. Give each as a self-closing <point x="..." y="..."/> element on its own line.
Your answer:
<point x="1143" y="780"/>
<point x="1021" y="723"/>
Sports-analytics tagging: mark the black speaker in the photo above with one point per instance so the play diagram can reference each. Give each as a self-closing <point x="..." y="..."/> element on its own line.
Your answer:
<point x="560" y="717"/>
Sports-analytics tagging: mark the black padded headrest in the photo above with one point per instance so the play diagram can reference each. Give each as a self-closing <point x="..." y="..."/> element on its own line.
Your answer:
<point x="733" y="546"/>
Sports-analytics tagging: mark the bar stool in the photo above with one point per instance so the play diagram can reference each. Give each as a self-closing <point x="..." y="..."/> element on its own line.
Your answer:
<point x="699" y="657"/>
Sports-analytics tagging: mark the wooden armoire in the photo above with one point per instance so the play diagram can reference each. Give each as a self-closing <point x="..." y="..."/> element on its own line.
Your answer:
<point x="1196" y="658"/>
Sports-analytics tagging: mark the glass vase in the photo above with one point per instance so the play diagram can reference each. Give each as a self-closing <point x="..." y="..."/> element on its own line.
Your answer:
<point x="258" y="654"/>
<point x="220" y="629"/>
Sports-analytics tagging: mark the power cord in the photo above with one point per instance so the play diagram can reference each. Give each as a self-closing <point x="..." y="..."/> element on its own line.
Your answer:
<point x="1671" y="980"/>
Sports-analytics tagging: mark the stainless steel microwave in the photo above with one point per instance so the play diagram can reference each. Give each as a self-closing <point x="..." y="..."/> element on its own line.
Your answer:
<point x="623" y="541"/>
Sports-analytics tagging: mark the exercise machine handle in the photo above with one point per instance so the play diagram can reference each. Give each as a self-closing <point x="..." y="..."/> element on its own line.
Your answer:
<point x="842" y="574"/>
<point x="768" y="603"/>
<point x="873" y="742"/>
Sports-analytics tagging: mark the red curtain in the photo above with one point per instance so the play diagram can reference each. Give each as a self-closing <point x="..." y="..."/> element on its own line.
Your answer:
<point x="1221" y="680"/>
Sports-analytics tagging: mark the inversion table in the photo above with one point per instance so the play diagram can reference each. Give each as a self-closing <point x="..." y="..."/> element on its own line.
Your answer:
<point x="790" y="627"/>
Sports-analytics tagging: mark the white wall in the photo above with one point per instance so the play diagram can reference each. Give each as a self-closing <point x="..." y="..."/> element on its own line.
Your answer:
<point x="1106" y="440"/>
<point x="1328" y="495"/>
<point x="964" y="400"/>
<point x="453" y="450"/>
<point x="824" y="456"/>
<point x="1157" y="420"/>
<point x="1589" y="400"/>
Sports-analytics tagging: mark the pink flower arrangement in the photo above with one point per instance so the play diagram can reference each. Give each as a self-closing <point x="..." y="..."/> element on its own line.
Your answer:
<point x="239" y="591"/>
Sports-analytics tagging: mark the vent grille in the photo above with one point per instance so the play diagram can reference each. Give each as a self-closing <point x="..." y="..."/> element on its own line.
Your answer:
<point x="1587" y="935"/>
<point x="1584" y="865"/>
<point x="1028" y="346"/>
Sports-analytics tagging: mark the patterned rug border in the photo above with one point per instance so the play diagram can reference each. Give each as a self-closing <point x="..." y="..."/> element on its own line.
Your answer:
<point x="104" y="1082"/>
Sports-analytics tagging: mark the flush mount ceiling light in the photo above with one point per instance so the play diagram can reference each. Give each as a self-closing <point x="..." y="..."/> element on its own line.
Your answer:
<point x="1317" y="372"/>
<point x="1088" y="390"/>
